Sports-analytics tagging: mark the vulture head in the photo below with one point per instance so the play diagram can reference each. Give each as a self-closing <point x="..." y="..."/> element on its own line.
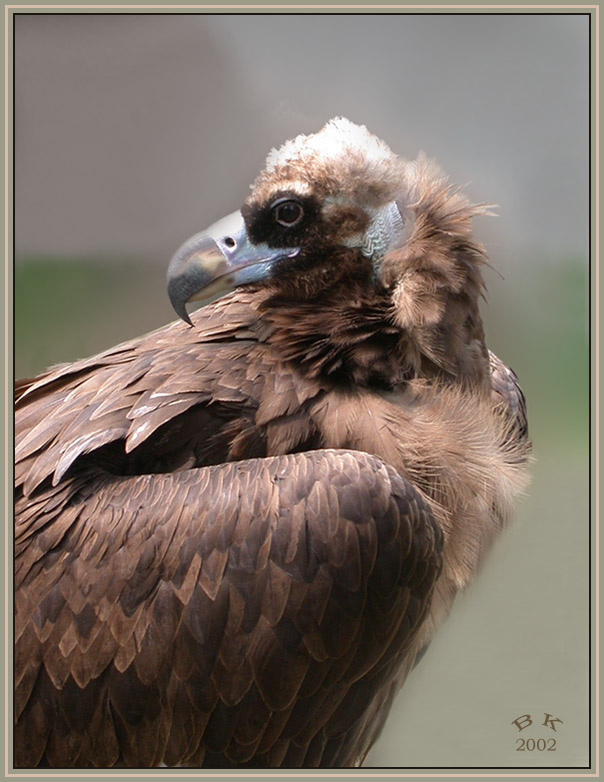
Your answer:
<point x="337" y="217"/>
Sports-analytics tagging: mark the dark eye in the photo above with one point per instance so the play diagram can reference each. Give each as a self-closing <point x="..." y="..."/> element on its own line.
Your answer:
<point x="288" y="213"/>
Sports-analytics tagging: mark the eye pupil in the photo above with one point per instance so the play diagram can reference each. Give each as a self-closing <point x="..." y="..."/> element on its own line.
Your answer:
<point x="288" y="213"/>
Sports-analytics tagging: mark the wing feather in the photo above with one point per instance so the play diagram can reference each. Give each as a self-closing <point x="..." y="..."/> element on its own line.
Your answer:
<point x="253" y="612"/>
<point x="178" y="645"/>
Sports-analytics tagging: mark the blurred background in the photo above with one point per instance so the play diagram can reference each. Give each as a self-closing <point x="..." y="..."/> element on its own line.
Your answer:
<point x="135" y="131"/>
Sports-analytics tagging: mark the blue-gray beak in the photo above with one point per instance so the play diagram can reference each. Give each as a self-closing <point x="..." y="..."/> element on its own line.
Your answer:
<point x="214" y="262"/>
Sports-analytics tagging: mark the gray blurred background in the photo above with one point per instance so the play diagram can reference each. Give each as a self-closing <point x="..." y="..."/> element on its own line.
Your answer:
<point x="135" y="131"/>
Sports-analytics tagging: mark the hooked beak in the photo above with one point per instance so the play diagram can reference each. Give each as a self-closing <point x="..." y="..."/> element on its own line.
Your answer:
<point x="214" y="262"/>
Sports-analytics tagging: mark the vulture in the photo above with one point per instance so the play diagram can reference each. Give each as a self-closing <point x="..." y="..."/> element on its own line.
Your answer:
<point x="235" y="536"/>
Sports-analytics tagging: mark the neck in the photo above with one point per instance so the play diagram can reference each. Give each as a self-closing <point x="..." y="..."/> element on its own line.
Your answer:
<point x="348" y="336"/>
<point x="421" y="320"/>
<point x="343" y="335"/>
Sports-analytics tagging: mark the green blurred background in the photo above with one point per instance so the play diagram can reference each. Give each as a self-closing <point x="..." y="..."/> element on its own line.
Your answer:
<point x="132" y="133"/>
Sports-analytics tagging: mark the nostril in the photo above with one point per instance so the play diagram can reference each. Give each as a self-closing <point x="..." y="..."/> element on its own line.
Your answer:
<point x="229" y="241"/>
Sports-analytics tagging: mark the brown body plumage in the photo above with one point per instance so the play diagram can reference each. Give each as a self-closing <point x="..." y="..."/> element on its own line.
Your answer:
<point x="232" y="540"/>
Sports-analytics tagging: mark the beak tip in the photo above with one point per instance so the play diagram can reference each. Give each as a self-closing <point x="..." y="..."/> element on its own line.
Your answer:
<point x="178" y="300"/>
<point x="180" y="309"/>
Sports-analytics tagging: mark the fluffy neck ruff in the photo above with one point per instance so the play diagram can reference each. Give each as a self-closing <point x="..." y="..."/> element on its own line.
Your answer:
<point x="343" y="335"/>
<point x="419" y="319"/>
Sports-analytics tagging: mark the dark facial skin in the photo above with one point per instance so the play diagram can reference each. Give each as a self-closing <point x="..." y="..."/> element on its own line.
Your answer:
<point x="291" y="220"/>
<point x="272" y="222"/>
